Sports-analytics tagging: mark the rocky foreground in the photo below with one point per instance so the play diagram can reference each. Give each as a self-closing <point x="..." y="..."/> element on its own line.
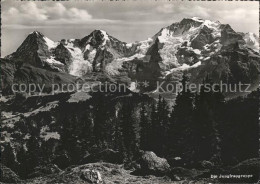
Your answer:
<point x="104" y="173"/>
<point x="149" y="169"/>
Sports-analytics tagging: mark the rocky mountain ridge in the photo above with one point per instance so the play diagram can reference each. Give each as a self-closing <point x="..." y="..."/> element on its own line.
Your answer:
<point x="192" y="45"/>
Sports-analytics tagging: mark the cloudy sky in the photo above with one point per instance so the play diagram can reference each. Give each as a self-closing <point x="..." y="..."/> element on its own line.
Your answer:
<point x="128" y="21"/>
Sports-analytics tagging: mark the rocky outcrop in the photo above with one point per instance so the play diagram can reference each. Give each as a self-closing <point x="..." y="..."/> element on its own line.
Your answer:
<point x="103" y="57"/>
<point x="231" y="65"/>
<point x="207" y="164"/>
<point x="96" y="174"/>
<point x="63" y="55"/>
<point x="8" y="70"/>
<point x="91" y="176"/>
<point x="229" y="36"/>
<point x="184" y="25"/>
<point x="204" y="37"/>
<point x="150" y="164"/>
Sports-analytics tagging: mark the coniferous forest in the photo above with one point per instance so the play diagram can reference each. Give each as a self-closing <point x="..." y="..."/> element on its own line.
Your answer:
<point x="199" y="129"/>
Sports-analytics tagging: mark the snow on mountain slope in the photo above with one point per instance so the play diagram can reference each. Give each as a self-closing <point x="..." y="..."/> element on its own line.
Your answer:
<point x="79" y="65"/>
<point x="197" y="19"/>
<point x="182" y="36"/>
<point x="143" y="46"/>
<point x="54" y="63"/>
<point x="116" y="65"/>
<point x="183" y="67"/>
<point x="51" y="44"/>
<point x="252" y="41"/>
<point x="105" y="36"/>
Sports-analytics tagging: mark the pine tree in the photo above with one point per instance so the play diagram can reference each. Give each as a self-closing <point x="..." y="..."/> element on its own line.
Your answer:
<point x="207" y="116"/>
<point x="144" y="125"/>
<point x="86" y="130"/>
<point x="21" y="158"/>
<point x="153" y="133"/>
<point x="118" y="139"/>
<point x="99" y="120"/>
<point x="8" y="157"/>
<point x="128" y="130"/>
<point x="160" y="127"/>
<point x="181" y="122"/>
<point x="33" y="155"/>
<point x="164" y="126"/>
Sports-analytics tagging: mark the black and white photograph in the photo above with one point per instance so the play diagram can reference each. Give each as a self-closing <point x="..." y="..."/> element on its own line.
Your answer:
<point x="130" y="92"/>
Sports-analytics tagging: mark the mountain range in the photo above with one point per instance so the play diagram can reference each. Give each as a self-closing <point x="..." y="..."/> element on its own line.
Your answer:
<point x="133" y="136"/>
<point x="193" y="45"/>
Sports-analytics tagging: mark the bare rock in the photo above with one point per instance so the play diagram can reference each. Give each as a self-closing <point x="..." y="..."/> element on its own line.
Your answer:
<point x="207" y="164"/>
<point x="91" y="176"/>
<point x="152" y="164"/>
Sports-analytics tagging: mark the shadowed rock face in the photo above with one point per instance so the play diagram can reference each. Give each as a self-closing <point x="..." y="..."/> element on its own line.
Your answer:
<point x="33" y="50"/>
<point x="184" y="25"/>
<point x="229" y="36"/>
<point x="23" y="73"/>
<point x="204" y="37"/>
<point x="63" y="55"/>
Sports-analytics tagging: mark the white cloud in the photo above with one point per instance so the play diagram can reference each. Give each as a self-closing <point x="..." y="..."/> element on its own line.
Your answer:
<point x="165" y="8"/>
<point x="195" y="11"/>
<point x="31" y="14"/>
<point x="185" y="11"/>
<point x="59" y="11"/>
<point x="242" y="17"/>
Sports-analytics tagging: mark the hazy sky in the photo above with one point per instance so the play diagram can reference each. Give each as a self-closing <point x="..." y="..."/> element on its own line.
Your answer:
<point x="128" y="21"/>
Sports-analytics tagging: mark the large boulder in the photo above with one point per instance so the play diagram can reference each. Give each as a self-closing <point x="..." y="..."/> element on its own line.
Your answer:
<point x="91" y="176"/>
<point x="8" y="176"/>
<point x="150" y="164"/>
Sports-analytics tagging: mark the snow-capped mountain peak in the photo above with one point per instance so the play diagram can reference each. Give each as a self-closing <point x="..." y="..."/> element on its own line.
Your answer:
<point x="34" y="33"/>
<point x="98" y="38"/>
<point x="39" y="36"/>
<point x="197" y="19"/>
